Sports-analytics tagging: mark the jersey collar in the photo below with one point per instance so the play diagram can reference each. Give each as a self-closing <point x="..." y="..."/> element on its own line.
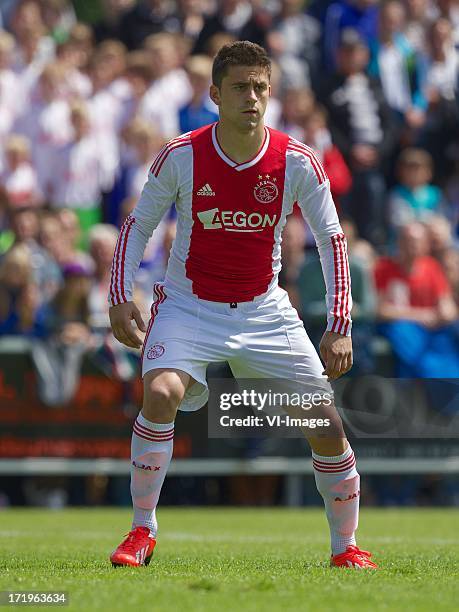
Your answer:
<point x="232" y="163"/>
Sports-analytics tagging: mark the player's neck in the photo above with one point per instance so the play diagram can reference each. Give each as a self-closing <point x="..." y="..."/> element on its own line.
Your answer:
<point x="240" y="146"/>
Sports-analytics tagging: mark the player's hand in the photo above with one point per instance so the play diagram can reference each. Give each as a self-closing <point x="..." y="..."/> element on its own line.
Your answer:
<point x="121" y="316"/>
<point x="336" y="353"/>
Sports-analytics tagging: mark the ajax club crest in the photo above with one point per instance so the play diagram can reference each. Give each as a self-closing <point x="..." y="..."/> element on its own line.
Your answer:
<point x="155" y="351"/>
<point x="266" y="191"/>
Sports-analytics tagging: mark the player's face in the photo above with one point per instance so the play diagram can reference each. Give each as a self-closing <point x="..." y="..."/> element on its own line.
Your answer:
<point x="243" y="96"/>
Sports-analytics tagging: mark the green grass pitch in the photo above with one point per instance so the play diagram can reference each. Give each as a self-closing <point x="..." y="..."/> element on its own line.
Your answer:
<point x="234" y="559"/>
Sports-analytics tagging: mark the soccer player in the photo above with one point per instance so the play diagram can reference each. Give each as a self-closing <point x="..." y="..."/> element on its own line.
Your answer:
<point x="234" y="183"/>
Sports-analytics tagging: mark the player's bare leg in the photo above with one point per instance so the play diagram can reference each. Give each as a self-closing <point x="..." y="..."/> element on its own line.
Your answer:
<point x="151" y="453"/>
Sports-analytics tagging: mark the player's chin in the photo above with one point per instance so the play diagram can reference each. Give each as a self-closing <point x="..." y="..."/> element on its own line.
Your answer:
<point x="252" y="119"/>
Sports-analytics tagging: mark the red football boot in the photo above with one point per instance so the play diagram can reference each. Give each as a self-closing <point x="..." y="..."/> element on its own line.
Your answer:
<point x="353" y="557"/>
<point x="135" y="550"/>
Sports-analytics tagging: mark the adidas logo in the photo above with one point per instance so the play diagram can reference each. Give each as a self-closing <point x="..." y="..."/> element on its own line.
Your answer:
<point x="206" y="191"/>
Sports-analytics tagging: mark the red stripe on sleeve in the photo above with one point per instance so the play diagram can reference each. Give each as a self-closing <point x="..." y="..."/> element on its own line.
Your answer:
<point x="347" y="313"/>
<point x="165" y="150"/>
<point x="116" y="262"/>
<point x="177" y="146"/>
<point x="342" y="275"/>
<point x="298" y="150"/>
<point x="315" y="157"/>
<point x="336" y="257"/>
<point x="315" y="161"/>
<point x="123" y="256"/>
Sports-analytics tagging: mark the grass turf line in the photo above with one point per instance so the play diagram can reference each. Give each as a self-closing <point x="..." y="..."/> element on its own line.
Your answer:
<point x="234" y="559"/>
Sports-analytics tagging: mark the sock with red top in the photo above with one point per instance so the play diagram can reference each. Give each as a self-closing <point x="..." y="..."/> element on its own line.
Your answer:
<point x="338" y="482"/>
<point x="151" y="453"/>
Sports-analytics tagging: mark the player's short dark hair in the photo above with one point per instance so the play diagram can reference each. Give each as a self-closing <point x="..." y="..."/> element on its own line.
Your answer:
<point x="239" y="53"/>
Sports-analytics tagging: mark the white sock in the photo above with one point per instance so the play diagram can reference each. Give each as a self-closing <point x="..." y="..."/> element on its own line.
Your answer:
<point x="338" y="482"/>
<point x="151" y="453"/>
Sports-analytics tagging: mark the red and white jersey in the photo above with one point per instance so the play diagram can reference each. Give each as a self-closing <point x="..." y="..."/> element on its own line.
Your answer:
<point x="230" y="218"/>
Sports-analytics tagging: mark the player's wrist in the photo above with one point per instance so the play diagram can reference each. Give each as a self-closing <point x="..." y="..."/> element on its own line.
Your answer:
<point x="339" y="325"/>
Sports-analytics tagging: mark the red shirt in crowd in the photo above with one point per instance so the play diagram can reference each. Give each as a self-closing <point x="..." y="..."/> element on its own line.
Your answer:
<point x="421" y="287"/>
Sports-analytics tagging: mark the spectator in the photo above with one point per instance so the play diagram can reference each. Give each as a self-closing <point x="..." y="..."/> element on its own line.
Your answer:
<point x="191" y="14"/>
<point x="449" y="10"/>
<point x="9" y="85"/>
<point x="442" y="63"/>
<point x="60" y="236"/>
<point x="360" y="15"/>
<point x="18" y="293"/>
<point x="235" y="17"/>
<point x="170" y="83"/>
<point x="66" y="337"/>
<point x="441" y="82"/>
<point x="34" y="49"/>
<point x="102" y="241"/>
<point x="145" y="18"/>
<point x="200" y="110"/>
<point x="317" y="136"/>
<point x="71" y="231"/>
<point x="46" y="123"/>
<point x="110" y="24"/>
<point x="139" y="75"/>
<point x="293" y="245"/>
<point x="81" y="39"/>
<point x="294" y="43"/>
<point x="417" y="20"/>
<point x="362" y="127"/>
<point x="52" y="238"/>
<point x="77" y="180"/>
<point x="105" y="106"/>
<point x="297" y="105"/>
<point x="146" y="144"/>
<point x="311" y="292"/>
<point x="25" y="226"/>
<point x="112" y="55"/>
<point x="114" y="359"/>
<point x="394" y="62"/>
<point x="58" y="17"/>
<point x="416" y="309"/>
<point x="414" y="197"/>
<point x="19" y="176"/>
<point x="77" y="84"/>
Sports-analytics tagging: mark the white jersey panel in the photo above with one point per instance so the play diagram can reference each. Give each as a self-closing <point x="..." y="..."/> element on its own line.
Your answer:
<point x="316" y="203"/>
<point x="176" y="273"/>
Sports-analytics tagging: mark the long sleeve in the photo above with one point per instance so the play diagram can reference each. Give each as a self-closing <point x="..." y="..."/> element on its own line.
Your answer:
<point x="316" y="203"/>
<point x="158" y="194"/>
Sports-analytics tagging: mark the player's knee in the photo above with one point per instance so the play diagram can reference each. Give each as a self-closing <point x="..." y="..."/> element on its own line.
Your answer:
<point x="161" y="401"/>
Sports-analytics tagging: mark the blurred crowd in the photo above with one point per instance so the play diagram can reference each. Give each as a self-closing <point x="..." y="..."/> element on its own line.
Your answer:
<point x="89" y="92"/>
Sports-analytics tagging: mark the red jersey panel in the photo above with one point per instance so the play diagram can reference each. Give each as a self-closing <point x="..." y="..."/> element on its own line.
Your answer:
<point x="235" y="211"/>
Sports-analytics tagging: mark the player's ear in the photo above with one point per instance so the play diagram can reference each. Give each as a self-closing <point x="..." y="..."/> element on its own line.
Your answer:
<point x="214" y="94"/>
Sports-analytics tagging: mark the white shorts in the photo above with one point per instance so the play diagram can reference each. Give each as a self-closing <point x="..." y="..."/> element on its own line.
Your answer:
<point x="264" y="338"/>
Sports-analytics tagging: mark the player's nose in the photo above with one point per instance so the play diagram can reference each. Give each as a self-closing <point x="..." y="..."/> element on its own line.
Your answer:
<point x="251" y="95"/>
